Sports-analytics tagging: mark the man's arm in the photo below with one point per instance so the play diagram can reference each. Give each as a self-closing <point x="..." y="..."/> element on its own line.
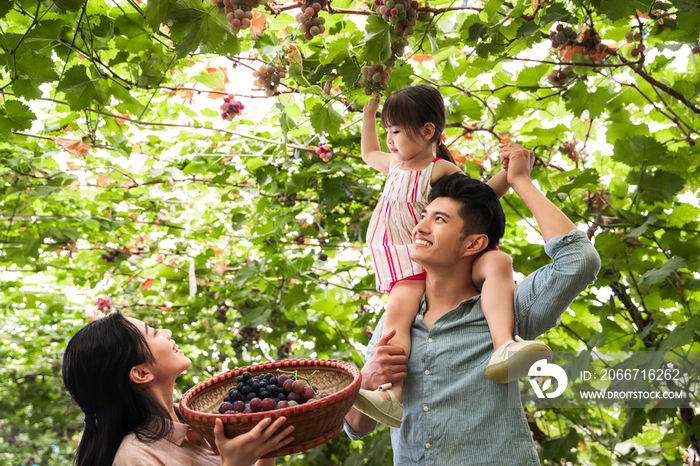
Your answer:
<point x="385" y="363"/>
<point x="545" y="294"/>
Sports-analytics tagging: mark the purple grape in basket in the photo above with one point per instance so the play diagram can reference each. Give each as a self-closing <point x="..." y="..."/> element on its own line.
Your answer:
<point x="282" y="396"/>
<point x="247" y="411"/>
<point x="281" y="405"/>
<point x="255" y="404"/>
<point x="231" y="412"/>
<point x="281" y="379"/>
<point x="239" y="406"/>
<point x="294" y="397"/>
<point x="268" y="404"/>
<point x="225" y="407"/>
<point x="307" y="394"/>
<point x="297" y="386"/>
<point x="264" y="394"/>
<point x="274" y="381"/>
<point x="247" y="376"/>
<point x="288" y="384"/>
<point x="323" y="395"/>
<point x="250" y="396"/>
<point x="246" y="390"/>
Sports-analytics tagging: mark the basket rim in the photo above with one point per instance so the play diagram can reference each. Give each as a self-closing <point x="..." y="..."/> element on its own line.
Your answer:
<point x="210" y="418"/>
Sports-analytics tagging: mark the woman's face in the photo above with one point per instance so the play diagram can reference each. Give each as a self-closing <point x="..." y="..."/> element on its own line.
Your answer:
<point x="170" y="361"/>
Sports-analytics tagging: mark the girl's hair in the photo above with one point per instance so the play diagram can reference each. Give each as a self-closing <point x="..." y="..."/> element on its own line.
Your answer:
<point x="96" y="368"/>
<point x="413" y="107"/>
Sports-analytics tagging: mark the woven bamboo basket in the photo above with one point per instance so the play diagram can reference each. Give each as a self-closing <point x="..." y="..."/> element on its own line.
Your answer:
<point x="315" y="422"/>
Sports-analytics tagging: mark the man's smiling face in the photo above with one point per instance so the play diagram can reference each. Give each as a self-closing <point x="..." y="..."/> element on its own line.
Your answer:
<point x="437" y="239"/>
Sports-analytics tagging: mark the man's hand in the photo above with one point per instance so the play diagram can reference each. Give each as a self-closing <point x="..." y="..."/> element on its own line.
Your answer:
<point x="517" y="162"/>
<point x="371" y="107"/>
<point x="387" y="363"/>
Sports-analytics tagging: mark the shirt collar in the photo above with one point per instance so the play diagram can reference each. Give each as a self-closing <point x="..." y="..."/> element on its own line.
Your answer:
<point x="424" y="303"/>
<point x="177" y="434"/>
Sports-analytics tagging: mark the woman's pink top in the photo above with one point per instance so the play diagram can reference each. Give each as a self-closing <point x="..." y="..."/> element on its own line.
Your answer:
<point x="398" y="211"/>
<point x="183" y="447"/>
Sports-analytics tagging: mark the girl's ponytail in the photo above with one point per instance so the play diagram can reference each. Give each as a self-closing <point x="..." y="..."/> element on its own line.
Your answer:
<point x="444" y="153"/>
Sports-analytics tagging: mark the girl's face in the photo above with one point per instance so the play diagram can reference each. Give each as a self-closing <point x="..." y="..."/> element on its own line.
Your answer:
<point x="169" y="360"/>
<point x="405" y="148"/>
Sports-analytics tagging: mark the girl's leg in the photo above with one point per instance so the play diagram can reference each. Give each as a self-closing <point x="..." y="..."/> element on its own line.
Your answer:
<point x="401" y="310"/>
<point x="493" y="273"/>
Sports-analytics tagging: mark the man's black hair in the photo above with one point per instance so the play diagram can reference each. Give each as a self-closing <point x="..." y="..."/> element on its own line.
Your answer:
<point x="480" y="208"/>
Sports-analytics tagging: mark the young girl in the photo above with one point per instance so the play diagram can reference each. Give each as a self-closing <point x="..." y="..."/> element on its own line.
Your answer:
<point x="414" y="119"/>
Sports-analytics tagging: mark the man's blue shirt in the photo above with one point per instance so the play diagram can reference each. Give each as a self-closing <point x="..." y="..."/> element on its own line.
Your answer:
<point x="453" y="414"/>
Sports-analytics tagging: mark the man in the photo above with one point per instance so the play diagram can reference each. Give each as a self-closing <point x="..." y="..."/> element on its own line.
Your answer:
<point x="454" y="415"/>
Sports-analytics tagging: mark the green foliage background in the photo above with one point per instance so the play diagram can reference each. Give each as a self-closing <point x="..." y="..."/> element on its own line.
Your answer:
<point x="206" y="192"/>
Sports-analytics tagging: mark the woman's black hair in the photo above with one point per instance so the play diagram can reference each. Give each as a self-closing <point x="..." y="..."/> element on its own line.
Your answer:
<point x="480" y="208"/>
<point x="414" y="106"/>
<point x="96" y="368"/>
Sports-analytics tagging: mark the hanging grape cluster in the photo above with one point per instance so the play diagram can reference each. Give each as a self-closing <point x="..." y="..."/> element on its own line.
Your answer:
<point x="238" y="12"/>
<point x="269" y="78"/>
<point x="104" y="303"/>
<point x="397" y="51"/>
<point x="401" y="13"/>
<point x="286" y="199"/>
<point x="375" y="78"/>
<point x="561" y="77"/>
<point x="231" y="108"/>
<point x="221" y="309"/>
<point x="561" y="35"/>
<point x="635" y="37"/>
<point x="310" y="24"/>
<point x="324" y="151"/>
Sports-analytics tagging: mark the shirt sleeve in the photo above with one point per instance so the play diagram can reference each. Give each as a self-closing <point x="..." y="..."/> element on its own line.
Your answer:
<point x="373" y="341"/>
<point x="543" y="296"/>
<point x="137" y="454"/>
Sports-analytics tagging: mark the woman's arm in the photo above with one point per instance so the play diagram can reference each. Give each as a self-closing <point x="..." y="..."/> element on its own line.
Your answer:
<point x="371" y="151"/>
<point x="499" y="183"/>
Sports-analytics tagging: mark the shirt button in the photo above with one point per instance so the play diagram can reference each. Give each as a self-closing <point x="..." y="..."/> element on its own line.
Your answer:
<point x="425" y="408"/>
<point x="430" y="340"/>
<point x="427" y="445"/>
<point x="427" y="372"/>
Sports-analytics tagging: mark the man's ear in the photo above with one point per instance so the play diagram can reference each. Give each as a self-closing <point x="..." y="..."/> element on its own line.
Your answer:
<point x="474" y="244"/>
<point x="141" y="374"/>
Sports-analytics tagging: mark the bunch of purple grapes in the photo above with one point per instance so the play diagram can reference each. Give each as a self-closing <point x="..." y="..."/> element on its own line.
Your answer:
<point x="266" y="392"/>
<point x="635" y="37"/>
<point x="299" y="239"/>
<point x="238" y="12"/>
<point x="104" y="303"/>
<point x="324" y="151"/>
<point x="231" y="108"/>
<point x="561" y="77"/>
<point x="375" y="78"/>
<point x="111" y="256"/>
<point x="561" y="35"/>
<point x="401" y="13"/>
<point x="269" y="77"/>
<point x="286" y="199"/>
<point x="222" y="308"/>
<point x="310" y="24"/>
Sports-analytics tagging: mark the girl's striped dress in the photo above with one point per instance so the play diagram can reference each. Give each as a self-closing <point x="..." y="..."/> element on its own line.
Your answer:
<point x="389" y="234"/>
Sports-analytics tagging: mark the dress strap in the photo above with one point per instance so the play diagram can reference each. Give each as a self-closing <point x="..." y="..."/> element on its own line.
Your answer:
<point x="436" y="159"/>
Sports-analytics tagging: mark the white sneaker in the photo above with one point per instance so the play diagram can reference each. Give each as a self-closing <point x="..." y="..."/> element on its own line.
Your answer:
<point x="510" y="363"/>
<point x="371" y="403"/>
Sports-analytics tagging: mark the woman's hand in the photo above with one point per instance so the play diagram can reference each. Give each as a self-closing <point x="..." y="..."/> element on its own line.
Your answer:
<point x="245" y="449"/>
<point x="371" y="107"/>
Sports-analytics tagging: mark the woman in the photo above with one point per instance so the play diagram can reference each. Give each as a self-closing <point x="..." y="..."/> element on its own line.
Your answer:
<point x="122" y="372"/>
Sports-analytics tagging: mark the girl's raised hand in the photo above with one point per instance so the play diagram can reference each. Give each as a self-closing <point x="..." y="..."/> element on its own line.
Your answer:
<point x="245" y="449"/>
<point x="372" y="106"/>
